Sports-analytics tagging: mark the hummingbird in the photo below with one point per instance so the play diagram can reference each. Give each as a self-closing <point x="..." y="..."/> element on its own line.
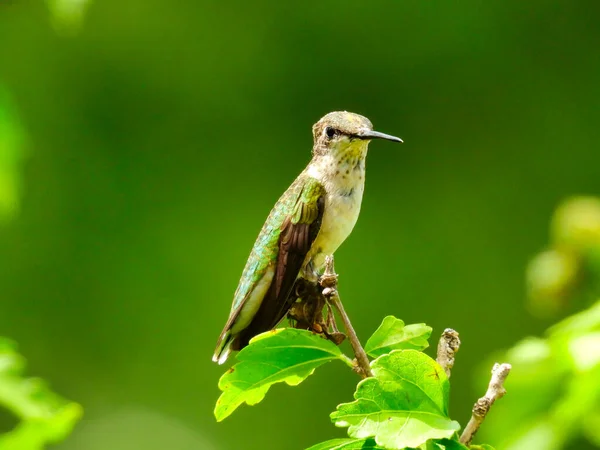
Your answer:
<point x="308" y="222"/>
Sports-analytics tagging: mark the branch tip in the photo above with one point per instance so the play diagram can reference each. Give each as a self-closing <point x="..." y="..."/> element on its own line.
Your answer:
<point x="482" y="406"/>
<point x="448" y="345"/>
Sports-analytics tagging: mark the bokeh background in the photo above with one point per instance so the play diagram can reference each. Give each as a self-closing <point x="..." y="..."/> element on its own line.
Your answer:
<point x="157" y="136"/>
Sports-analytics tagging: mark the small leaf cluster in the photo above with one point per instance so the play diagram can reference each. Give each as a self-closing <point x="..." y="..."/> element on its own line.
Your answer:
<point x="45" y="417"/>
<point x="569" y="269"/>
<point x="555" y="383"/>
<point x="554" y="386"/>
<point x="403" y="406"/>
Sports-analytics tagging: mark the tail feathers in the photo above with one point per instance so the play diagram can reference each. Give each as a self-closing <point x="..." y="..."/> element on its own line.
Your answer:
<point x="223" y="349"/>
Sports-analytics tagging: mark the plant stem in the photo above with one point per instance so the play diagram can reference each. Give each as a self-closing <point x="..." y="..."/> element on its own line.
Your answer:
<point x="482" y="406"/>
<point x="348" y="361"/>
<point x="361" y="356"/>
<point x="329" y="283"/>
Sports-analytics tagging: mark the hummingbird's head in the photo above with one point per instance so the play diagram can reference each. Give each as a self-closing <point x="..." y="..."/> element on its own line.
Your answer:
<point x="344" y="133"/>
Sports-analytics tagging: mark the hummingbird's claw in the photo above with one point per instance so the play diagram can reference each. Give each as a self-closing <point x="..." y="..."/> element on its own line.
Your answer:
<point x="328" y="281"/>
<point x="329" y="278"/>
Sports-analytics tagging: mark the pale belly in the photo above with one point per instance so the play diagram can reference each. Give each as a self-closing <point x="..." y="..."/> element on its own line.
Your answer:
<point x="340" y="216"/>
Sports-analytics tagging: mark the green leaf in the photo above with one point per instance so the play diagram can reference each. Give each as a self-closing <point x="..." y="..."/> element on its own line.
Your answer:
<point x="404" y="405"/>
<point x="482" y="447"/>
<point x="583" y="322"/>
<point x="554" y="386"/>
<point x="370" y="444"/>
<point x="45" y="417"/>
<point x="283" y="355"/>
<point x="347" y="444"/>
<point x="392" y="334"/>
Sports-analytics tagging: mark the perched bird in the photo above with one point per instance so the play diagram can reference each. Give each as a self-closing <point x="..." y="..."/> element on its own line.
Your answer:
<point x="310" y="220"/>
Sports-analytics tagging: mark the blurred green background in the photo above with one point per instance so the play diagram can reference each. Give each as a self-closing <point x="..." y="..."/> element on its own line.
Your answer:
<point x="158" y="137"/>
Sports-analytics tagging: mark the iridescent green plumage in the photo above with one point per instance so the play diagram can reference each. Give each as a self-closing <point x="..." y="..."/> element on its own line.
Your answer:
<point x="310" y="220"/>
<point x="298" y="206"/>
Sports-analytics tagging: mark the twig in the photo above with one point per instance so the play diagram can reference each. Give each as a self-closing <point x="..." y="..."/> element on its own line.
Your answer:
<point x="447" y="347"/>
<point x="482" y="406"/>
<point x="329" y="283"/>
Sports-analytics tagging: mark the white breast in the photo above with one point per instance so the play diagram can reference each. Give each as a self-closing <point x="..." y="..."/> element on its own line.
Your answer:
<point x="342" y="206"/>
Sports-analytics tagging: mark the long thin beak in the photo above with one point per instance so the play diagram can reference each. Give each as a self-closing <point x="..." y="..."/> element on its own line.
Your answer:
<point x="368" y="134"/>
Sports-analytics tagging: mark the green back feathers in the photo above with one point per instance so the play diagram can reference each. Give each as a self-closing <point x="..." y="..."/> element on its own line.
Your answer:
<point x="299" y="202"/>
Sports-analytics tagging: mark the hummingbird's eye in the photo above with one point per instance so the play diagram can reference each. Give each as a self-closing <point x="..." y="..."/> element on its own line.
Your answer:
<point x="330" y="132"/>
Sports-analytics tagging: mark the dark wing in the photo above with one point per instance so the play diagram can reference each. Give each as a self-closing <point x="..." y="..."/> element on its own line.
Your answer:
<point x="298" y="231"/>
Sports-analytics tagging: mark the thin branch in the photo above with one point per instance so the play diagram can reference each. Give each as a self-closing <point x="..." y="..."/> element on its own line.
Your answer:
<point x="329" y="283"/>
<point x="482" y="406"/>
<point x="447" y="347"/>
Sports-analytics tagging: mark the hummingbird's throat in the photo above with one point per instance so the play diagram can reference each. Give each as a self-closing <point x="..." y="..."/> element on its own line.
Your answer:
<point x="345" y="161"/>
<point x="338" y="169"/>
<point x="353" y="149"/>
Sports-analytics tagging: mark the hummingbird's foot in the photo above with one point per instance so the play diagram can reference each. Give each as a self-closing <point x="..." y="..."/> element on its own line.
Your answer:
<point x="329" y="278"/>
<point x="328" y="281"/>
